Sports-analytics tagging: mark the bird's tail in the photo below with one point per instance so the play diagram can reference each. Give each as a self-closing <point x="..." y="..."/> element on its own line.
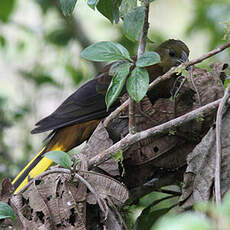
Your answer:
<point x="63" y="140"/>
<point x="35" y="167"/>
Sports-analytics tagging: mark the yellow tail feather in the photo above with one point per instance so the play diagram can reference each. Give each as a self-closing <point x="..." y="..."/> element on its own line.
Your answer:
<point x="33" y="169"/>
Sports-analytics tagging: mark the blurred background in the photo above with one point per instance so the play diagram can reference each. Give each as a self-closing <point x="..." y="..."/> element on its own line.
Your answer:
<point x="40" y="64"/>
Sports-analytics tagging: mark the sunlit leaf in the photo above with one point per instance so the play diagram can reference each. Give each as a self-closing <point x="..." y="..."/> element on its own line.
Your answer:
<point x="119" y="77"/>
<point x="226" y="83"/>
<point x="187" y="221"/>
<point x="138" y="83"/>
<point x="133" y="23"/>
<point x="127" y="6"/>
<point x="105" y="51"/>
<point x="225" y="207"/>
<point x="147" y="59"/>
<point x="59" y="157"/>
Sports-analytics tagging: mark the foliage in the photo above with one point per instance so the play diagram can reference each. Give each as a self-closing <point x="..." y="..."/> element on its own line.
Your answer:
<point x="209" y="17"/>
<point x="6" y="211"/>
<point x="59" y="157"/>
<point x="59" y="39"/>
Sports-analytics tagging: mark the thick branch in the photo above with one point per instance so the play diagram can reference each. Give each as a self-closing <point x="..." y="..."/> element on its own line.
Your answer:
<point x="129" y="140"/>
<point x="218" y="144"/>
<point x="167" y="76"/>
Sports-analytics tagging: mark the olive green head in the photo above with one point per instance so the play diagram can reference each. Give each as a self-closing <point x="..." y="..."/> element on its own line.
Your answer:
<point x="172" y="53"/>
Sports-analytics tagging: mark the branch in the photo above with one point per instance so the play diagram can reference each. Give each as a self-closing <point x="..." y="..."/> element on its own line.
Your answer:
<point x="220" y="112"/>
<point x="101" y="204"/>
<point x="140" y="51"/>
<point x="129" y="140"/>
<point x="167" y="76"/>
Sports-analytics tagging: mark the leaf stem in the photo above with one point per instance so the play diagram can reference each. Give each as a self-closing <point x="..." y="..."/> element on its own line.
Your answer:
<point x="140" y="51"/>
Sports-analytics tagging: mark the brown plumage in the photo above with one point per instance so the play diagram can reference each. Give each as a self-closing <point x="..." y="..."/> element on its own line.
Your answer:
<point x="77" y="117"/>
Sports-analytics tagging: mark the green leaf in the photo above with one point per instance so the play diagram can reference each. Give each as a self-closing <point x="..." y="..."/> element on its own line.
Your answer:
<point x="2" y="41"/>
<point x="187" y="221"/>
<point x="40" y="78"/>
<point x="118" y="156"/>
<point x="6" y="211"/>
<point x="133" y="23"/>
<point x="60" y="36"/>
<point x="92" y="3"/>
<point x="225" y="207"/>
<point x="75" y="74"/>
<point x="6" y="8"/>
<point x="148" y="218"/>
<point x="138" y="83"/>
<point x="120" y="73"/>
<point x="127" y="6"/>
<point x="147" y="59"/>
<point x="226" y="83"/>
<point x="67" y="6"/>
<point x="110" y="9"/>
<point x="105" y="51"/>
<point x="59" y="157"/>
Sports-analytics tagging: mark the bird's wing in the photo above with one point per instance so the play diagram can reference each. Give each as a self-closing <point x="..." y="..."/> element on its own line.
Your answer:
<point x="87" y="103"/>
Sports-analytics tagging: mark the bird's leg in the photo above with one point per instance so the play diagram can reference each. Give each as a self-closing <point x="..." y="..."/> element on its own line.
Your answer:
<point x="179" y="82"/>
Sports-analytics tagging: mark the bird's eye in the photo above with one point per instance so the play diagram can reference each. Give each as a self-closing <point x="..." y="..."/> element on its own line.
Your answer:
<point x="171" y="53"/>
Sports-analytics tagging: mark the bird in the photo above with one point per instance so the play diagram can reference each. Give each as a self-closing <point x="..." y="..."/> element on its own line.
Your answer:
<point x="74" y="121"/>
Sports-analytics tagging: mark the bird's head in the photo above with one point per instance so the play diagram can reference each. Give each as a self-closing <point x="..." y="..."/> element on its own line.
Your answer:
<point x="172" y="53"/>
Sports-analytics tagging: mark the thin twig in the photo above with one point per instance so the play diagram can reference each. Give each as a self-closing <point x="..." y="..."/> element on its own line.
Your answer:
<point x="220" y="112"/>
<point x="167" y="76"/>
<point x="103" y="206"/>
<point x="194" y="86"/>
<point x="132" y="122"/>
<point x="129" y="140"/>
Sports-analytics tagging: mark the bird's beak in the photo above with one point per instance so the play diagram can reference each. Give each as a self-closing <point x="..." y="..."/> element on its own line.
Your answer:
<point x="184" y="57"/>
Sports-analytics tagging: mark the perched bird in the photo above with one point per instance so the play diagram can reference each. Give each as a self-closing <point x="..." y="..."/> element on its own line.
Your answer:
<point x="76" y="118"/>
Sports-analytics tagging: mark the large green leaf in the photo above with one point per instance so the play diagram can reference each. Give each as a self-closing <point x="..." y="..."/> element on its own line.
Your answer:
<point x="105" y="51"/>
<point x="133" y="23"/>
<point x="127" y="6"/>
<point x="147" y="218"/>
<point x="110" y="9"/>
<point x="120" y="73"/>
<point x="148" y="58"/>
<point x="187" y="221"/>
<point x="6" y="211"/>
<point x="225" y="207"/>
<point x="59" y="157"/>
<point x="67" y="6"/>
<point x="138" y="83"/>
<point x="6" y="8"/>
